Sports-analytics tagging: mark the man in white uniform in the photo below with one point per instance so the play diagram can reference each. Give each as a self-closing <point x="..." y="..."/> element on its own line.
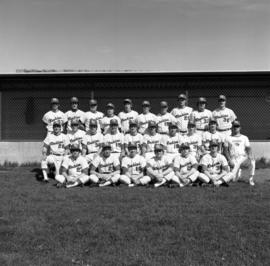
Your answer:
<point x="92" y="142"/>
<point x="185" y="166"/>
<point x="105" y="121"/>
<point x="74" y="169"/>
<point x="215" y="167"/>
<point x="74" y="114"/>
<point x="127" y="115"/>
<point x="133" y="167"/>
<point x="75" y="135"/>
<point x="56" y="144"/>
<point x="238" y="152"/>
<point x="92" y="114"/>
<point x="164" y="118"/>
<point x="182" y="114"/>
<point x="224" y="117"/>
<point x="145" y="117"/>
<point x="105" y="168"/>
<point x="160" y="169"/>
<point x="54" y="115"/>
<point x="201" y="116"/>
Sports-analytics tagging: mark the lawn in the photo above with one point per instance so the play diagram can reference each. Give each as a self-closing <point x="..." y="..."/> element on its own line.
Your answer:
<point x="43" y="225"/>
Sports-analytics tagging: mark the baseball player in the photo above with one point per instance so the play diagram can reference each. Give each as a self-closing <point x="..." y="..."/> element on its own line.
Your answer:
<point x="164" y="118"/>
<point x="224" y="117"/>
<point x="160" y="169"/>
<point x="194" y="140"/>
<point x="56" y="144"/>
<point x="74" y="113"/>
<point x="151" y="138"/>
<point x="74" y="169"/>
<point x="172" y="141"/>
<point x="238" y="152"/>
<point x="212" y="136"/>
<point x="93" y="114"/>
<point x="75" y="135"/>
<point x="92" y="142"/>
<point x="145" y="117"/>
<point x="127" y="115"/>
<point x="105" y="121"/>
<point x="182" y="114"/>
<point x="54" y="115"/>
<point x="201" y="116"/>
<point x="115" y="139"/>
<point x="133" y="167"/>
<point x="185" y="166"/>
<point x="105" y="168"/>
<point x="133" y="137"/>
<point x="215" y="167"/>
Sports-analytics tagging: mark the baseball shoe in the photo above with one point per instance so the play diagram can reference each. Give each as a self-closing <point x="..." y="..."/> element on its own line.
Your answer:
<point x="45" y="181"/>
<point x="251" y="182"/>
<point x="60" y="185"/>
<point x="131" y="185"/>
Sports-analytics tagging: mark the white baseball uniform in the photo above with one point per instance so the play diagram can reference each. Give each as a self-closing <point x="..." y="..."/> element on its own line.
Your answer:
<point x="76" y="137"/>
<point x="137" y="139"/>
<point x="195" y="142"/>
<point x="224" y="118"/>
<point x="182" y="116"/>
<point x="116" y="141"/>
<point x="50" y="117"/>
<point x="125" y="118"/>
<point x="171" y="144"/>
<point x="150" y="141"/>
<point x="201" y="120"/>
<point x="105" y="123"/>
<point x="163" y="122"/>
<point x="143" y="120"/>
<point x="92" y="115"/>
<point x="209" y="137"/>
<point x="74" y="115"/>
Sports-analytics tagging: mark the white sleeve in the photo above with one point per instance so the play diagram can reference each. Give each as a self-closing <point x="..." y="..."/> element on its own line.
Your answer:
<point x="95" y="162"/>
<point x="124" y="163"/>
<point x="65" y="162"/>
<point x="47" y="140"/>
<point x="193" y="160"/>
<point x="45" y="119"/>
<point x="176" y="163"/>
<point x="84" y="163"/>
<point x="224" y="161"/>
<point x="66" y="141"/>
<point x="116" y="162"/>
<point x="204" y="161"/>
<point x="247" y="143"/>
<point x="64" y="117"/>
<point x="143" y="162"/>
<point x="233" y="116"/>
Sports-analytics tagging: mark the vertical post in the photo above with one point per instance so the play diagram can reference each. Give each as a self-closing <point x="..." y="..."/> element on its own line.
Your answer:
<point x="0" y="115"/>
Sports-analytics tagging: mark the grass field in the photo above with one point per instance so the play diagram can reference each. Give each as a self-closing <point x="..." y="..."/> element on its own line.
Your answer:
<point x="43" y="225"/>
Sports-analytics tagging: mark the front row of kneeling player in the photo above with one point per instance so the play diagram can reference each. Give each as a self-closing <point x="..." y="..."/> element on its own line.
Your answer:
<point x="106" y="169"/>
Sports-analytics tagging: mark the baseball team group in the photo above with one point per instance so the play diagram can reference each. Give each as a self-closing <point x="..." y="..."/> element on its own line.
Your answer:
<point x="181" y="147"/>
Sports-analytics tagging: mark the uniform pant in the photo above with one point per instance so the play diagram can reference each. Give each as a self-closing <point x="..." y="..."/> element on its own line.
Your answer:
<point x="193" y="177"/>
<point x="169" y="177"/>
<point x="240" y="162"/>
<point x="95" y="179"/>
<point x="226" y="178"/>
<point x="52" y="160"/>
<point x="144" y="180"/>
<point x="83" y="178"/>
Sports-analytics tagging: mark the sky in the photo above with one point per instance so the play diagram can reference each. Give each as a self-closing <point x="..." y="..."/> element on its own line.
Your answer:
<point x="135" y="35"/>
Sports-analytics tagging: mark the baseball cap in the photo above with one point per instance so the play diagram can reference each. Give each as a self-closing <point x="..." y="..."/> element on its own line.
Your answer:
<point x="184" y="146"/>
<point x="54" y="101"/>
<point x="236" y="123"/>
<point x="182" y="96"/>
<point x="127" y="101"/>
<point x="202" y="100"/>
<point x="113" y="122"/>
<point x="158" y="147"/>
<point x="110" y="105"/>
<point x="74" y="122"/>
<point x="56" y="123"/>
<point x="132" y="145"/>
<point x="213" y="143"/>
<point x="74" y="100"/>
<point x="163" y="104"/>
<point x="212" y="121"/>
<point x="145" y="103"/>
<point x="152" y="124"/>
<point x="173" y="125"/>
<point x="133" y="122"/>
<point x="222" y="98"/>
<point x="106" y="146"/>
<point x="93" y="102"/>
<point x="75" y="147"/>
<point x="92" y="122"/>
<point x="191" y="124"/>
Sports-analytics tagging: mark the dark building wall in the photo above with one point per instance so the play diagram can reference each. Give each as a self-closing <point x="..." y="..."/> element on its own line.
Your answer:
<point x="25" y="98"/>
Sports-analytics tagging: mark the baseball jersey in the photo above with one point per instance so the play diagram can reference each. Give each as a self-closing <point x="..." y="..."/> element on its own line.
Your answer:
<point x="184" y="164"/>
<point x="137" y="139"/>
<point x="116" y="141"/>
<point x="71" y="115"/>
<point x="91" y="115"/>
<point x="182" y="116"/>
<point x="76" y="137"/>
<point x="224" y="118"/>
<point x="209" y="137"/>
<point x="163" y="122"/>
<point x="143" y="120"/>
<point x="105" y="123"/>
<point x="237" y="145"/>
<point x="57" y="143"/>
<point x="75" y="166"/>
<point x="151" y="140"/>
<point x="50" y="117"/>
<point x="201" y="119"/>
<point x="159" y="165"/>
<point x="171" y="143"/>
<point x="194" y="141"/>
<point x="214" y="164"/>
<point x="134" y="165"/>
<point x="125" y="118"/>
<point x="93" y="142"/>
<point x="105" y="165"/>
